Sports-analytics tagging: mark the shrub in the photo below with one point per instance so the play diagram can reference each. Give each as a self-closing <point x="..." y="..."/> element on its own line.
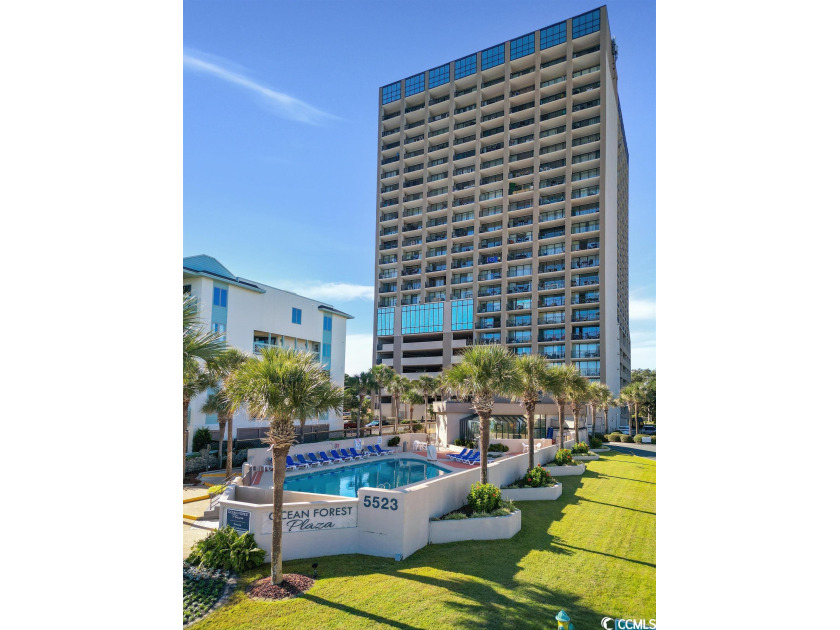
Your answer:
<point x="394" y="440"/>
<point x="637" y="439"/>
<point x="581" y="448"/>
<point x="596" y="442"/>
<point x="455" y="516"/>
<point x="538" y="477"/>
<point x="564" y="458"/>
<point x="416" y="427"/>
<point x="499" y="448"/>
<point x="626" y="438"/>
<point x="459" y="442"/>
<point x="227" y="549"/>
<point x="201" y="438"/>
<point x="484" y="497"/>
<point x="653" y="439"/>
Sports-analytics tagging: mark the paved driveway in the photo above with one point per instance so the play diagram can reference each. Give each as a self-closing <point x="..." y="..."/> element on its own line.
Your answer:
<point x="641" y="450"/>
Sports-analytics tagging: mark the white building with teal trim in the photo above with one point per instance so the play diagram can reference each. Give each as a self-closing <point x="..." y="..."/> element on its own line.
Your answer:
<point x="253" y="315"/>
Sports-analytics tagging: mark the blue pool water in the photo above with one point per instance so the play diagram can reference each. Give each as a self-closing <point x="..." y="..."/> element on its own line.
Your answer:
<point x="346" y="480"/>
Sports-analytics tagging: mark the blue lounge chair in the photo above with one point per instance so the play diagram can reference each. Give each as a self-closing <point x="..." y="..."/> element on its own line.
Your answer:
<point x="357" y="455"/>
<point x="301" y="461"/>
<point x="326" y="459"/>
<point x="372" y="452"/>
<point x="461" y="458"/>
<point x="345" y="454"/>
<point x="461" y="454"/>
<point x="290" y="464"/>
<point x="381" y="452"/>
<point x="313" y="460"/>
<point x="335" y="455"/>
<point x="475" y="459"/>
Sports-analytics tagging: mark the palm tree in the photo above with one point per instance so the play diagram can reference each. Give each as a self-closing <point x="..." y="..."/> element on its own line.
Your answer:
<point x="484" y="372"/>
<point x="412" y="398"/>
<point x="219" y="401"/>
<point x="601" y="398"/>
<point x="280" y="385"/>
<point x="367" y="385"/>
<point x="580" y="396"/>
<point x="400" y="385"/>
<point x="200" y="349"/>
<point x="631" y="395"/>
<point x="534" y="373"/>
<point x="428" y="386"/>
<point x="382" y="376"/>
<point x="561" y="382"/>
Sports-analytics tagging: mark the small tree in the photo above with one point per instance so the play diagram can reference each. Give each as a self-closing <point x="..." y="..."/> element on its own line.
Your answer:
<point x="219" y="401"/>
<point x="382" y="376"/>
<point x="560" y="383"/>
<point x="534" y="376"/>
<point x="400" y="386"/>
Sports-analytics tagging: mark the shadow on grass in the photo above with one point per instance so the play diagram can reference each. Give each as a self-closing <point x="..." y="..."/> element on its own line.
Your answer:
<point x="357" y="612"/>
<point x="564" y="546"/>
<point x="622" y="507"/>
<point x="603" y="476"/>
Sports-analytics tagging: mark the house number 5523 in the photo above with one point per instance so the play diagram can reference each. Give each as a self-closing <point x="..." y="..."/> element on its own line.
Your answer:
<point x="380" y="502"/>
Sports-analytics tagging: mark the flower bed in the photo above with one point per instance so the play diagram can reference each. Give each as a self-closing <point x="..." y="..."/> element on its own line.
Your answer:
<point x="476" y="528"/>
<point x="202" y="590"/>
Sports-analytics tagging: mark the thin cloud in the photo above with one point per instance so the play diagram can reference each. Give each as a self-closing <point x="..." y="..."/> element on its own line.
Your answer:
<point x="642" y="309"/>
<point x="332" y="291"/>
<point x="285" y="105"/>
<point x="359" y="352"/>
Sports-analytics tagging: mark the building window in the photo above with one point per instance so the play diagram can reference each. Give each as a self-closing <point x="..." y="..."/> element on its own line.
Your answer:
<point x="465" y="67"/>
<point x="422" y="318"/>
<point x="220" y="297"/>
<point x="552" y="35"/>
<point x="296" y="316"/>
<point x="326" y="353"/>
<point x="385" y="321"/>
<point x="522" y="46"/>
<point x="391" y="93"/>
<point x="586" y="23"/>
<point x="492" y="56"/>
<point x="462" y="315"/>
<point x="439" y="76"/>
<point x="187" y="289"/>
<point x="327" y="322"/>
<point x="415" y="84"/>
<point x="219" y="328"/>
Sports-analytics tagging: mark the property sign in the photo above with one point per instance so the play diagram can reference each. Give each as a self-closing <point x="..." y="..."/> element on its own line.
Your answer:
<point x="313" y="518"/>
<point x="240" y="520"/>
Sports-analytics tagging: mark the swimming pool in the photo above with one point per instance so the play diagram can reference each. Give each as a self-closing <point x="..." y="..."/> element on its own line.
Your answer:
<point x="345" y="481"/>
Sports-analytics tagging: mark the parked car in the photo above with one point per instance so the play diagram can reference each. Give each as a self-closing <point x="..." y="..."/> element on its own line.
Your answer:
<point x="648" y="429"/>
<point x="350" y="425"/>
<point x="373" y="423"/>
<point x="624" y="429"/>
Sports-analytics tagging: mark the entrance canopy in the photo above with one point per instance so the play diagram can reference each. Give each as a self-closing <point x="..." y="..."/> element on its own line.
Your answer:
<point x="501" y="427"/>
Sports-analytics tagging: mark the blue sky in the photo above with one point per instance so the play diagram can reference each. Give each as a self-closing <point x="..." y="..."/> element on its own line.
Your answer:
<point x="273" y="90"/>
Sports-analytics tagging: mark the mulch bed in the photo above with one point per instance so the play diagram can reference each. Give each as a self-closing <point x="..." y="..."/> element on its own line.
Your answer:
<point x="293" y="584"/>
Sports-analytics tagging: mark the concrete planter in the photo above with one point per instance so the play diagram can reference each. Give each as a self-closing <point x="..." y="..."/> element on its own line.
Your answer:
<point x="490" y="528"/>
<point x="599" y="450"/>
<point x="549" y="493"/>
<point x="565" y="471"/>
<point x="585" y="458"/>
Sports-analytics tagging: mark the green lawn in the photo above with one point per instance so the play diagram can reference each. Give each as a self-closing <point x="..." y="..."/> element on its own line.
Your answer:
<point x="591" y="552"/>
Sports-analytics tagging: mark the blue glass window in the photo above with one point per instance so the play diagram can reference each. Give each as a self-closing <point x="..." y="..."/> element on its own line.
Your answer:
<point x="521" y="46"/>
<point x="492" y="56"/>
<point x="439" y="76"/>
<point x="465" y="67"/>
<point x="385" y="321"/>
<point x="552" y="35"/>
<point x="415" y="84"/>
<point x="586" y="23"/>
<point x="391" y="93"/>
<point x="462" y="315"/>
<point x="220" y="297"/>
<point x="296" y="316"/>
<point x="327" y="322"/>
<point x="326" y="352"/>
<point x="422" y="318"/>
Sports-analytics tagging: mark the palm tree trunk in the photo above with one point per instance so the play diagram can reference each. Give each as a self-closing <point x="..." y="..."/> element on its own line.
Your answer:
<point x="529" y="412"/>
<point x="576" y="414"/>
<point x="484" y="443"/>
<point x="379" y="400"/>
<point x="221" y="437"/>
<point x="561" y="410"/>
<point x="359" y="419"/>
<point x="636" y="416"/>
<point x="278" y="455"/>
<point x="186" y="433"/>
<point x="229" y="467"/>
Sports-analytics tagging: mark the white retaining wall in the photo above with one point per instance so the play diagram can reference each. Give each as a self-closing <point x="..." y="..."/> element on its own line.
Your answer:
<point x="259" y="455"/>
<point x="397" y="530"/>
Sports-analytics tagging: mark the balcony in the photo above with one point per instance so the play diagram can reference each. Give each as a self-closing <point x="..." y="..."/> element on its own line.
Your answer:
<point x="552" y="233"/>
<point x="551" y="285"/>
<point x="582" y="263"/>
<point x="390" y="273"/>
<point x="461" y="232"/>
<point x="520" y="254"/>
<point x="577" y="316"/>
<point x="552" y="300"/>
<point x="515" y="239"/>
<point x="552" y="355"/>
<point x="485" y="323"/>
<point x="486" y="260"/>
<point x="433" y="267"/>
<point x="388" y="245"/>
<point x="546" y="335"/>
<point x="552" y="318"/>
<point x="591" y="354"/>
<point x="486" y="291"/>
<point x="461" y="248"/>
<point x="524" y="320"/>
<point x="490" y="274"/>
<point x="462" y="263"/>
<point x="438" y="236"/>
<point x="439" y="282"/>
<point x="409" y="242"/>
<point x="552" y="267"/>
<point x="410" y="299"/>
<point x="388" y="288"/>
<point x="411" y="286"/>
<point x="488" y="243"/>
<point x="578" y="299"/>
<point x="520" y="222"/>
<point x="492" y="147"/>
<point x="584" y="281"/>
<point x="407" y="256"/>
<point x="522" y="287"/>
<point x="485" y="340"/>
<point x="387" y="260"/>
<point x="411" y="271"/>
<point x="585" y="244"/>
